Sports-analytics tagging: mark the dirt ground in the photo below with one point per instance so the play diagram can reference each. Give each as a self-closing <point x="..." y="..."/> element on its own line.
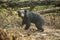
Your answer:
<point x="15" y="32"/>
<point x="18" y="33"/>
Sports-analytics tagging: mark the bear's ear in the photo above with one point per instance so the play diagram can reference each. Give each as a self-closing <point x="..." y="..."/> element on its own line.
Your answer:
<point x="25" y="11"/>
<point x="18" y="11"/>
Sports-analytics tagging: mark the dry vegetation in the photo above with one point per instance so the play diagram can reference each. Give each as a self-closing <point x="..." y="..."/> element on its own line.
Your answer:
<point x="31" y="34"/>
<point x="10" y="27"/>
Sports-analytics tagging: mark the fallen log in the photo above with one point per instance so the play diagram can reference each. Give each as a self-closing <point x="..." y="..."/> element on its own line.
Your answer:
<point x="51" y="10"/>
<point x="33" y="3"/>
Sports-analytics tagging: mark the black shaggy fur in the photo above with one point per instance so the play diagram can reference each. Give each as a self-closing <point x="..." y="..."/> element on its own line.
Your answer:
<point x="29" y="18"/>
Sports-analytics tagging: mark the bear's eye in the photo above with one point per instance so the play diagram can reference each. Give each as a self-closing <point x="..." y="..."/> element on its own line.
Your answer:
<point x="19" y="14"/>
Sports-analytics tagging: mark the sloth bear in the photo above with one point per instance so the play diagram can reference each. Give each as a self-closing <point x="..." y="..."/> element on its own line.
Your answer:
<point x="30" y="17"/>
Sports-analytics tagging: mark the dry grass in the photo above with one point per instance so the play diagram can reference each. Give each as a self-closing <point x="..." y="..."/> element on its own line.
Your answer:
<point x="20" y="34"/>
<point x="10" y="28"/>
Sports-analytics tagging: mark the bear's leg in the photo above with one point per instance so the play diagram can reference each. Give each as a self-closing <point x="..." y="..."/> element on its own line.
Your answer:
<point x="27" y="24"/>
<point x="39" y="26"/>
